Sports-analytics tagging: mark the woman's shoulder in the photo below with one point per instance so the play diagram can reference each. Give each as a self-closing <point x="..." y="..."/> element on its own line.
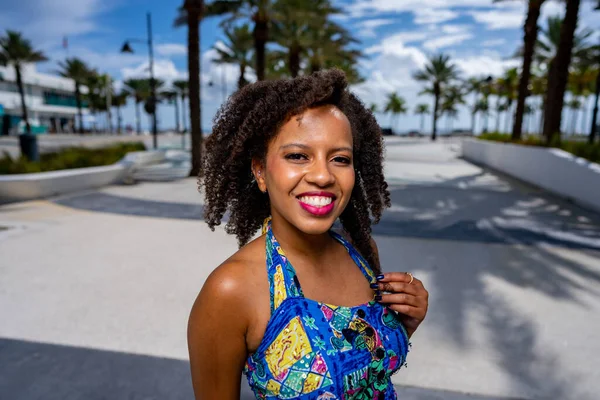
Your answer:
<point x="239" y="277"/>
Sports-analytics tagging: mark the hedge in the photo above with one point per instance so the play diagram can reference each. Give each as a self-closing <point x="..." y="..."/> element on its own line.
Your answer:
<point x="68" y="158"/>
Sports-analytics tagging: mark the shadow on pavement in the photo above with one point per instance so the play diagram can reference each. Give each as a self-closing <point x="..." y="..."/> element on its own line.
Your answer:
<point x="40" y="371"/>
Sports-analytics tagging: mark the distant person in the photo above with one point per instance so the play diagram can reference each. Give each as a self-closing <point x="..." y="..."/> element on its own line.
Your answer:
<point x="303" y="311"/>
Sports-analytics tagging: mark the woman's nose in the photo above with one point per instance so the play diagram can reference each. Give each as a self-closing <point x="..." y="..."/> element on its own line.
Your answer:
<point x="320" y="174"/>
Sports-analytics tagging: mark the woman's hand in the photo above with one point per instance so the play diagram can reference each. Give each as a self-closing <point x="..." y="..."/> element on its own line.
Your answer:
<point x="410" y="299"/>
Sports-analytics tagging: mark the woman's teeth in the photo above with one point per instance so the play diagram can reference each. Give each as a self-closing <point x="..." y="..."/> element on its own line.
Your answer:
<point x="316" y="201"/>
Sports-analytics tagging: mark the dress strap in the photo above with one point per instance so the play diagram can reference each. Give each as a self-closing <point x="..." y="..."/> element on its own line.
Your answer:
<point x="358" y="259"/>
<point x="283" y="282"/>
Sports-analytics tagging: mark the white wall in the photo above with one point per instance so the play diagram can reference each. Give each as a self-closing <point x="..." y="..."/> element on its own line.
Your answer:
<point x="552" y="169"/>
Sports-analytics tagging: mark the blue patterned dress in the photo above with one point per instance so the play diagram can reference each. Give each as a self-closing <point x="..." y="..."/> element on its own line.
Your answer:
<point x="313" y="350"/>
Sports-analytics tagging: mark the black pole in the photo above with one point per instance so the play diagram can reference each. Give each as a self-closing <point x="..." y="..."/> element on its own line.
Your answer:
<point x="152" y="83"/>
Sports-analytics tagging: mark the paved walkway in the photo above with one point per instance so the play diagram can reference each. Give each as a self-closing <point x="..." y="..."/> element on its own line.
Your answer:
<point x="95" y="287"/>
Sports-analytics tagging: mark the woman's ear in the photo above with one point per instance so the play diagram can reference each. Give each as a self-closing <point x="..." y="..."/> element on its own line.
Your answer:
<point x="258" y="171"/>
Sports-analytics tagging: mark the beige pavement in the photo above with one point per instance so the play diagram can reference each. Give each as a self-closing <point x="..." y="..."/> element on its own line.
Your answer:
<point x="95" y="287"/>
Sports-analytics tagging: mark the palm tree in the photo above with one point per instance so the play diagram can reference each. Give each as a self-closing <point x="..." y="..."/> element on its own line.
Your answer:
<point x="483" y="107"/>
<point x="258" y="11"/>
<point x="439" y="73"/>
<point x="94" y="95"/>
<point x="329" y="47"/>
<point x="581" y="83"/>
<point x="395" y="105"/>
<point x="237" y="49"/>
<point x="474" y="85"/>
<point x="509" y="86"/>
<point x="183" y="88"/>
<point x="451" y="98"/>
<point x="15" y="50"/>
<point x="140" y="91"/>
<point x="559" y="72"/>
<point x="190" y="15"/>
<point x="76" y="69"/>
<point x="172" y="97"/>
<point x="574" y="105"/>
<point x="119" y="100"/>
<point x="151" y="103"/>
<point x="297" y="24"/>
<point x="422" y="110"/>
<point x="530" y="32"/>
<point x="374" y="108"/>
<point x="546" y="48"/>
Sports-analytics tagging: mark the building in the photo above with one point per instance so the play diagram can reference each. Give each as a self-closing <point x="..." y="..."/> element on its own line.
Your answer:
<point x="50" y="100"/>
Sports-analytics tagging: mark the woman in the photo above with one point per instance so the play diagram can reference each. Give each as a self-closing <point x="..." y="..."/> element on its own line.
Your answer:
<point x="302" y="310"/>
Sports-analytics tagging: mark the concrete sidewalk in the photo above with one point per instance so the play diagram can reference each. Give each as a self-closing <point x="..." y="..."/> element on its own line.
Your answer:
<point x="96" y="287"/>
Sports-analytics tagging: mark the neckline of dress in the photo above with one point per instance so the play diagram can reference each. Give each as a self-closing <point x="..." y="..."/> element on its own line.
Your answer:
<point x="347" y="246"/>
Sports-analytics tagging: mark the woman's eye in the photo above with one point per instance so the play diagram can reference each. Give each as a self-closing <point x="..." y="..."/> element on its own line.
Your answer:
<point x="295" y="156"/>
<point x="343" y="160"/>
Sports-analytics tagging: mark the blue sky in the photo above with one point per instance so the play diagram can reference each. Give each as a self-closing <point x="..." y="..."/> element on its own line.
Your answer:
<point x="397" y="36"/>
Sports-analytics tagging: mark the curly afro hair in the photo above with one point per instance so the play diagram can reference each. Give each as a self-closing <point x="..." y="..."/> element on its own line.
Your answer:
<point x="246" y="123"/>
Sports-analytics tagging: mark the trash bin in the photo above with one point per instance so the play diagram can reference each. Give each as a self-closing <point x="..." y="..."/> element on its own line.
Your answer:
<point x="29" y="147"/>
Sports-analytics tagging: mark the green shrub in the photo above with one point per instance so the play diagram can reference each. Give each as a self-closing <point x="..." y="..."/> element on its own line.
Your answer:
<point x="69" y="158"/>
<point x="581" y="149"/>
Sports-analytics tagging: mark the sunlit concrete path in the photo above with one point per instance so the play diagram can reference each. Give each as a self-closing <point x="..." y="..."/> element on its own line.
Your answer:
<point x="95" y="287"/>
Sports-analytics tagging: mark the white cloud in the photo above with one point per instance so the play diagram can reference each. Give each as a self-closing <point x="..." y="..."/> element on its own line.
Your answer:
<point x="45" y="23"/>
<point x="368" y="27"/>
<point x="171" y="49"/>
<point x="163" y="69"/>
<point x="485" y="65"/>
<point x="433" y="16"/>
<point x="445" y="41"/>
<point x="496" y="19"/>
<point x="493" y="42"/>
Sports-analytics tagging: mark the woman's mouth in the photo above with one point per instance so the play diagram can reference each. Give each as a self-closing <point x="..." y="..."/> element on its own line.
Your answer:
<point x="321" y="204"/>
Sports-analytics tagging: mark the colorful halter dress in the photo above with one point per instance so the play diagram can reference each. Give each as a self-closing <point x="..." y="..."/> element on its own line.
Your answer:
<point x="313" y="350"/>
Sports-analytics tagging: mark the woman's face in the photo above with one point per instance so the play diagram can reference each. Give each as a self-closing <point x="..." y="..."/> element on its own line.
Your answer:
<point x="309" y="173"/>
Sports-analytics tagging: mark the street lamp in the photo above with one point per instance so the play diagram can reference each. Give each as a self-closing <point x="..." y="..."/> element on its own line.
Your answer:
<point x="595" y="112"/>
<point x="152" y="101"/>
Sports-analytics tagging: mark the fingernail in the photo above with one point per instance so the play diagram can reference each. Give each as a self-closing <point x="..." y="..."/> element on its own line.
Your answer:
<point x="377" y="298"/>
<point x="379" y="277"/>
<point x="374" y="286"/>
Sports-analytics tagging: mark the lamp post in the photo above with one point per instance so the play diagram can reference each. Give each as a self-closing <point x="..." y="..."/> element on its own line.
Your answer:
<point x="592" y="136"/>
<point x="152" y="101"/>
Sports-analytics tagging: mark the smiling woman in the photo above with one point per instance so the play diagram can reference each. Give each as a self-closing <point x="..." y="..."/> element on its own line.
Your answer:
<point x="294" y="156"/>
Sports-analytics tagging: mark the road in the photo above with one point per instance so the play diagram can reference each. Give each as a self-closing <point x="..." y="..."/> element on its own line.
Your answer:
<point x="96" y="286"/>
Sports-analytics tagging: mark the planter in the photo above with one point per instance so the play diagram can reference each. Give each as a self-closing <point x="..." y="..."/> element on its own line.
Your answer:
<point x="134" y="166"/>
<point x="554" y="170"/>
<point x="20" y="187"/>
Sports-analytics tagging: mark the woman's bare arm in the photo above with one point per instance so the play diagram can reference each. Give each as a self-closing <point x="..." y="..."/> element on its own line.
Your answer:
<point x="216" y="334"/>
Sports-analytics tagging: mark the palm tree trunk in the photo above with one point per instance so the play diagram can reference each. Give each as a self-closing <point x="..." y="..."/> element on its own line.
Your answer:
<point x="436" y="105"/>
<point x="138" y="118"/>
<point x="119" y="120"/>
<point x="242" y="78"/>
<point x="176" y="101"/>
<point x="508" y="115"/>
<point x="559" y="72"/>
<point x="474" y="112"/>
<point x="194" y="15"/>
<point x="574" y="121"/>
<point x="497" y="114"/>
<point x="183" y="117"/>
<point x="261" y="35"/>
<point x="529" y="38"/>
<point x="422" y="122"/>
<point x="22" y="94"/>
<point x="78" y="102"/>
<point x="294" y="60"/>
